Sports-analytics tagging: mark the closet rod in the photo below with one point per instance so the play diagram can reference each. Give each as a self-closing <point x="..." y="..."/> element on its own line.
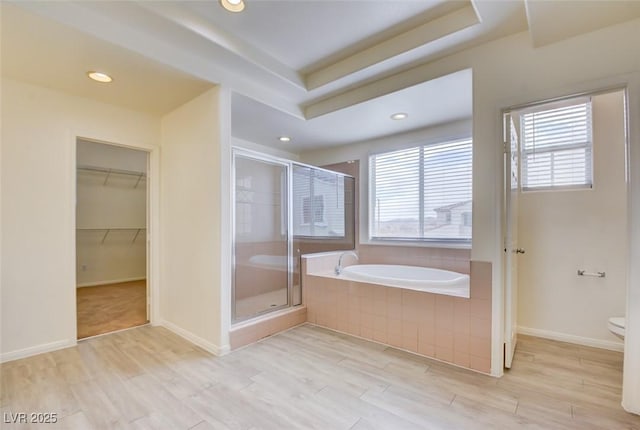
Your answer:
<point x="140" y="175"/>
<point x="136" y="236"/>
<point x="108" y="230"/>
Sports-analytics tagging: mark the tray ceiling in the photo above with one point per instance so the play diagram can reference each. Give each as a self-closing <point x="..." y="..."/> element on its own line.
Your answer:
<point x="287" y="60"/>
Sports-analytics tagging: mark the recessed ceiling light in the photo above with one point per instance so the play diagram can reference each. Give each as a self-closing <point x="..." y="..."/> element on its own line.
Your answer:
<point x="233" y="5"/>
<point x="284" y="139"/>
<point x="400" y="115"/>
<point x="100" y="77"/>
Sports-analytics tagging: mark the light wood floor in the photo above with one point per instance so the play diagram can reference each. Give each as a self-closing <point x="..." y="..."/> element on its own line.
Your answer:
<point x="107" y="308"/>
<point x="306" y="378"/>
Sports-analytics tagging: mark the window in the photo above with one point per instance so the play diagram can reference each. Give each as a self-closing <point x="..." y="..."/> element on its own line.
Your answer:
<point x="557" y="147"/>
<point x="466" y="219"/>
<point x="318" y="203"/>
<point x="422" y="193"/>
<point x="313" y="210"/>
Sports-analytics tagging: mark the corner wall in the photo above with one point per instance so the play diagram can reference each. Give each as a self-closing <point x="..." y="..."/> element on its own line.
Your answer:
<point x="39" y="130"/>
<point x="192" y="207"/>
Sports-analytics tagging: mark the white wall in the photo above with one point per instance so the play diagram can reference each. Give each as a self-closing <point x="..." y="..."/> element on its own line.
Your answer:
<point x="111" y="221"/>
<point x="39" y="130"/>
<point x="563" y="231"/>
<point x="509" y="72"/>
<point x="193" y="302"/>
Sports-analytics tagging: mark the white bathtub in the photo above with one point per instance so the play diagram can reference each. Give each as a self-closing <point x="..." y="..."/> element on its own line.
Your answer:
<point x="410" y="277"/>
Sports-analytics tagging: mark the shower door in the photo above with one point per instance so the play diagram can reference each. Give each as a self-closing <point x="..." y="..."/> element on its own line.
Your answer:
<point x="261" y="274"/>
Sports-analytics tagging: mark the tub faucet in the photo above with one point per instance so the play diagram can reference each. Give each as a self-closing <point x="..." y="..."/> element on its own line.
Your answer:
<point x="338" y="268"/>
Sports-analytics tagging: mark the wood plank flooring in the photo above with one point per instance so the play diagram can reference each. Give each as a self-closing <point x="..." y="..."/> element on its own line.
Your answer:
<point x="309" y="378"/>
<point x="106" y="308"/>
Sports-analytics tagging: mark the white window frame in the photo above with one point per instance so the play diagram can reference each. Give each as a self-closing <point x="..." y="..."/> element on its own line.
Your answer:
<point x="461" y="243"/>
<point x="587" y="146"/>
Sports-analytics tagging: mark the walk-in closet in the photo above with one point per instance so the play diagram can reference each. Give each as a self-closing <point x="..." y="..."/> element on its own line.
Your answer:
<point x="111" y="238"/>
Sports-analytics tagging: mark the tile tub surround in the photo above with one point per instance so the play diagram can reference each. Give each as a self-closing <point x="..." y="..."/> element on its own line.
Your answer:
<point x="456" y="260"/>
<point x="451" y="329"/>
<point x="248" y="332"/>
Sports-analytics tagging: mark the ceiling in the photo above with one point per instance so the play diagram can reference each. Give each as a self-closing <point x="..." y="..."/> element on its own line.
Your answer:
<point x="46" y="53"/>
<point x="309" y="68"/>
<point x="550" y="22"/>
<point x="436" y="101"/>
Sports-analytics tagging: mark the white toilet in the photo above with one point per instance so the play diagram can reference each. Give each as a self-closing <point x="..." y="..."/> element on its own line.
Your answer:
<point x="616" y="326"/>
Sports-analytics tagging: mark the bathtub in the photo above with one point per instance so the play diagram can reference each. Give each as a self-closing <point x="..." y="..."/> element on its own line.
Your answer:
<point x="410" y="277"/>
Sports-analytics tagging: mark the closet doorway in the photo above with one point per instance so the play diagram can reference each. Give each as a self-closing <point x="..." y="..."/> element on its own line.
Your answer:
<point x="112" y="292"/>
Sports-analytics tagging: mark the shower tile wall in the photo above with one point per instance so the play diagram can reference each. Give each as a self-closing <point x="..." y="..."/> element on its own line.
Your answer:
<point x="254" y="278"/>
<point x="252" y="331"/>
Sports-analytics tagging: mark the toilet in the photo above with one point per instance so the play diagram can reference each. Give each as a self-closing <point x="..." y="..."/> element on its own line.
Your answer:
<point x="616" y="326"/>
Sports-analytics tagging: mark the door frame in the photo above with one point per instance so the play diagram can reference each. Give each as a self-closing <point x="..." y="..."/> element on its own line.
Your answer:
<point x="627" y="84"/>
<point x="509" y="260"/>
<point x="153" y="218"/>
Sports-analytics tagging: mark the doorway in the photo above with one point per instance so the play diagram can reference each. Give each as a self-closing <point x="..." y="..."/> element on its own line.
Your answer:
<point x="112" y="291"/>
<point x="569" y="212"/>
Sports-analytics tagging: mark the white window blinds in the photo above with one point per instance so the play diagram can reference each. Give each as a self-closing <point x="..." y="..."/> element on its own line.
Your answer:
<point x="422" y="193"/>
<point x="318" y="203"/>
<point x="557" y="147"/>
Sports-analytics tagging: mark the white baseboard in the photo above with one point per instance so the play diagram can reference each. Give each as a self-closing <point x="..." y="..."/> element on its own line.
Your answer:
<point x="35" y="350"/>
<point x="578" y="340"/>
<point x="110" y="281"/>
<point x="197" y="340"/>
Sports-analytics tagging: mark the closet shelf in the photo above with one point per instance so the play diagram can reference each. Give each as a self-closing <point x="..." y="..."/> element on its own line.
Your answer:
<point x="109" y="172"/>
<point x="109" y="230"/>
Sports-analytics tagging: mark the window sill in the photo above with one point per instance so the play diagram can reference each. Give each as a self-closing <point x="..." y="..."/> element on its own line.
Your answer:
<point x="418" y="243"/>
<point x="557" y="188"/>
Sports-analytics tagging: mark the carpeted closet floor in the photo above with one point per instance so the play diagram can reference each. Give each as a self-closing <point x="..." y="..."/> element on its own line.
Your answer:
<point x="107" y="308"/>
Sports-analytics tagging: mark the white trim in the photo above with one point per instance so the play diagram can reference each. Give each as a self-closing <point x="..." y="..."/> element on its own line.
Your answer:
<point x="570" y="338"/>
<point x="153" y="213"/>
<point x="153" y="234"/>
<point x="197" y="340"/>
<point x="110" y="281"/>
<point x="226" y="214"/>
<point x="631" y="372"/>
<point x="37" y="349"/>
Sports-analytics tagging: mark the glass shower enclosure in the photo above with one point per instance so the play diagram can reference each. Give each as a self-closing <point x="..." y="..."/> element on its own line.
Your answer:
<point x="261" y="276"/>
<point x="278" y="203"/>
